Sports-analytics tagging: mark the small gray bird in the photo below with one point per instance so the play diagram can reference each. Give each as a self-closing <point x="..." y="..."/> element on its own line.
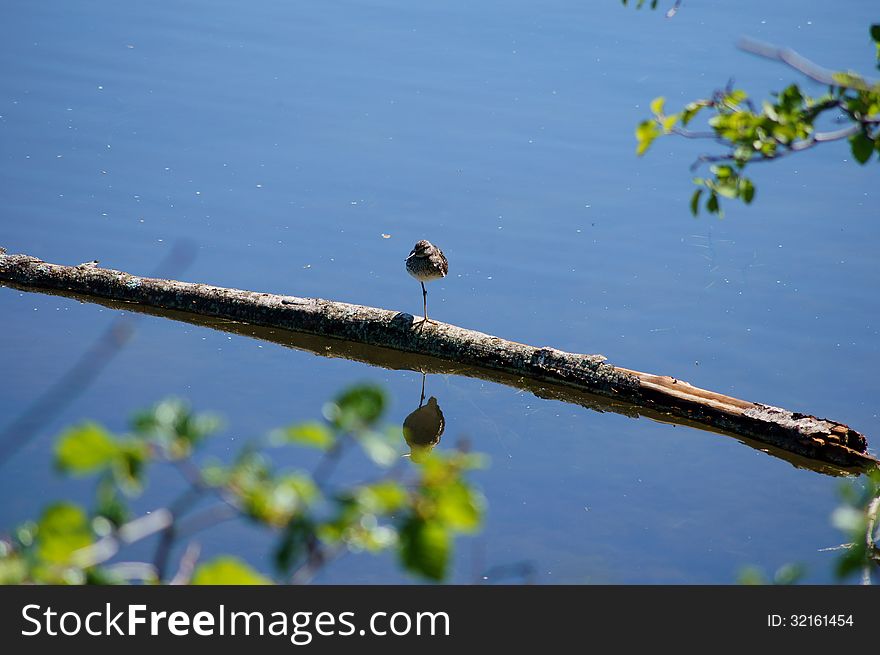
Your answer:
<point x="426" y="262"/>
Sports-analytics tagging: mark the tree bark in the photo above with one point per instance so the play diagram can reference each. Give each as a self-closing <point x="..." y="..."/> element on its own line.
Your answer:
<point x="398" y="340"/>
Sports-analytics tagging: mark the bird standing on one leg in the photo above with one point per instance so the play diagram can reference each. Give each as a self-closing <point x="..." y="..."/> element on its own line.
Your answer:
<point x="426" y="262"/>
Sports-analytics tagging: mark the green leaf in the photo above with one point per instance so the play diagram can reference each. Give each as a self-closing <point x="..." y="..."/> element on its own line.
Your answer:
<point x="727" y="190"/>
<point x="788" y="574"/>
<point x="669" y="122"/>
<point x="735" y="98"/>
<point x="172" y="425"/>
<point x="358" y="407"/>
<point x="646" y="132"/>
<point x="862" y="147"/>
<point x="62" y="530"/>
<point x="424" y="548"/>
<point x="85" y="449"/>
<point x="129" y="465"/>
<point x="227" y="570"/>
<point x="657" y="105"/>
<point x="691" y="110"/>
<point x="293" y="544"/>
<point x="640" y="3"/>
<point x="312" y="434"/>
<point x="382" y="497"/>
<point x="746" y="190"/>
<point x="459" y="507"/>
<point x="13" y="570"/>
<point x="378" y="448"/>
<point x="722" y="172"/>
<point x="850" y="79"/>
<point x="106" y="576"/>
<point x="275" y="501"/>
<point x="712" y="204"/>
<point x="109" y="505"/>
<point x="751" y="575"/>
<point x="215" y="474"/>
<point x="791" y="98"/>
<point x="849" y="519"/>
<point x="875" y="32"/>
<point x="695" y="202"/>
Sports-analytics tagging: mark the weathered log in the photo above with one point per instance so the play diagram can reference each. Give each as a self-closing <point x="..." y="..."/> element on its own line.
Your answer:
<point x="544" y="370"/>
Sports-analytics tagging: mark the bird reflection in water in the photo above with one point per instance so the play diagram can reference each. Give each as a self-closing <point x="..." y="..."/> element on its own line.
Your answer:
<point x="424" y="426"/>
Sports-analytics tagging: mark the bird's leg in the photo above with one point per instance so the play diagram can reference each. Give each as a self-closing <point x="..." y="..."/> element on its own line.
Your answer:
<point x="422" y="399"/>
<point x="425" y="301"/>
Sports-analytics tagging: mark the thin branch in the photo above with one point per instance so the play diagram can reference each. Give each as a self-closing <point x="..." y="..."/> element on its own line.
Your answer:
<point x="163" y="548"/>
<point x="187" y="564"/>
<point x="836" y="135"/>
<point x="317" y="557"/>
<point x="673" y="9"/>
<point x="329" y="459"/>
<point x="133" y="571"/>
<point x="690" y="134"/>
<point x="135" y="530"/>
<point x="181" y="529"/>
<point x="788" y="149"/>
<point x="803" y="65"/>
<point x="208" y="518"/>
<point x="871" y="514"/>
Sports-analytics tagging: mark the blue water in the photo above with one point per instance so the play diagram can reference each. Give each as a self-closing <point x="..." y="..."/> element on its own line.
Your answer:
<point x="285" y="139"/>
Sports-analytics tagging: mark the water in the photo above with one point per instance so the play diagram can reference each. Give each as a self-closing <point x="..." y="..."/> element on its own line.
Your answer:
<point x="285" y="139"/>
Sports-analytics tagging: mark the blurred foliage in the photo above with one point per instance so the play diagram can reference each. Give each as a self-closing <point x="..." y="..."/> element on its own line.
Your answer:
<point x="413" y="508"/>
<point x="638" y="4"/>
<point x="859" y="518"/>
<point x="875" y="36"/>
<point x="766" y="131"/>
<point x="227" y="570"/>
<point x="787" y="574"/>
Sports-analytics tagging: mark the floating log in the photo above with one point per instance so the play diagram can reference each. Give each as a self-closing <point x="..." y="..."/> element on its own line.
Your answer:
<point x="546" y="371"/>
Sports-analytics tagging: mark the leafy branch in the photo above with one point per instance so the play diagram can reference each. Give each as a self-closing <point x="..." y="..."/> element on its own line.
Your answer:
<point x="653" y="5"/>
<point x="859" y="518"/>
<point x="782" y="126"/>
<point x="414" y="508"/>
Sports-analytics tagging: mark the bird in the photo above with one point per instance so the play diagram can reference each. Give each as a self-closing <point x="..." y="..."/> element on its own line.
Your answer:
<point x="423" y="428"/>
<point x="426" y="262"/>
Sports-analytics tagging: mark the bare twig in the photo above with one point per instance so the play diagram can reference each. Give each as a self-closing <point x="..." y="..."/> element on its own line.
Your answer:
<point x="163" y="548"/>
<point x="871" y="514"/>
<point x="318" y="556"/>
<point x="133" y="571"/>
<point x="187" y="564"/>
<point x="207" y="518"/>
<point x="803" y="65"/>
<point x="673" y="9"/>
<point x="135" y="530"/>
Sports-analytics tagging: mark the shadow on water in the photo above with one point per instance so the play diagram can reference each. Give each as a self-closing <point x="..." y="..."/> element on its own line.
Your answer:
<point x="429" y="417"/>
